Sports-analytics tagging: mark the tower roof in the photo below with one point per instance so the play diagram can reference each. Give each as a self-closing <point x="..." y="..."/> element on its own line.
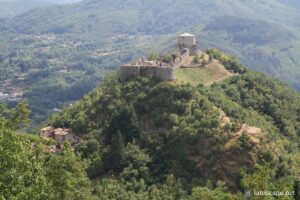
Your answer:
<point x="187" y="35"/>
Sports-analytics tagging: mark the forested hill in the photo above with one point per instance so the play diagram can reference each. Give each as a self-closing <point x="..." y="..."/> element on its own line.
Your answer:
<point x="11" y="8"/>
<point x="244" y="131"/>
<point x="148" y="139"/>
<point x="67" y="50"/>
<point x="92" y="16"/>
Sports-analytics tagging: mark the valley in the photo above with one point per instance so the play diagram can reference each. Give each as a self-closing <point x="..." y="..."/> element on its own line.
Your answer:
<point x="89" y="40"/>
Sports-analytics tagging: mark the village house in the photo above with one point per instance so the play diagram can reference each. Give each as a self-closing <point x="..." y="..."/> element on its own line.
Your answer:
<point x="60" y="135"/>
<point x="47" y="131"/>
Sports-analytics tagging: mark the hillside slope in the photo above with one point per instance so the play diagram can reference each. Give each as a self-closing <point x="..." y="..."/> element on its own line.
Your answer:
<point x="66" y="50"/>
<point x="147" y="17"/>
<point x="196" y="133"/>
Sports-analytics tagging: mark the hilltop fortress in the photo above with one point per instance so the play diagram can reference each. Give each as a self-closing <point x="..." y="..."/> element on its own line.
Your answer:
<point x="162" y="68"/>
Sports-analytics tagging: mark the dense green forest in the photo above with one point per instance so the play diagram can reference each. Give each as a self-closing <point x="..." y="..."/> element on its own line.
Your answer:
<point x="146" y="139"/>
<point x="57" y="54"/>
<point x="144" y="136"/>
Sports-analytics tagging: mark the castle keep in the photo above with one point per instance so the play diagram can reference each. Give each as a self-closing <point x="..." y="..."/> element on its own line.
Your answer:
<point x="158" y="68"/>
<point x="188" y="42"/>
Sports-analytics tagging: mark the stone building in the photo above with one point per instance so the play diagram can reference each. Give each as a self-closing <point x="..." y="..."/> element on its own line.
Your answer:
<point x="60" y="135"/>
<point x="187" y="41"/>
<point x="47" y="131"/>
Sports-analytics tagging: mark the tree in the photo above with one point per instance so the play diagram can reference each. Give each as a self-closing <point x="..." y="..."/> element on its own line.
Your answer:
<point x="124" y="122"/>
<point x="21" y="114"/>
<point x="67" y="176"/>
<point x="135" y="162"/>
<point x="22" y="167"/>
<point x="152" y="56"/>
<point x="17" y="117"/>
<point x="196" y="59"/>
<point x="167" y="59"/>
<point x="244" y="142"/>
<point x="218" y="193"/>
<point x="87" y="148"/>
<point x="114" y="157"/>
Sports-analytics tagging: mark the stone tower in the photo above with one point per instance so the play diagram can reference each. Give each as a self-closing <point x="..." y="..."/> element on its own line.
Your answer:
<point x="188" y="41"/>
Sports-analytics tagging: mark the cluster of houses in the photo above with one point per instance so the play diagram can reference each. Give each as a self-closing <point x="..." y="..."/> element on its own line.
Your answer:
<point x="11" y="97"/>
<point x="60" y="135"/>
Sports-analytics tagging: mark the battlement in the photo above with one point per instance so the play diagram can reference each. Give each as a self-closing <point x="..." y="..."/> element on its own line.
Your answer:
<point x="128" y="72"/>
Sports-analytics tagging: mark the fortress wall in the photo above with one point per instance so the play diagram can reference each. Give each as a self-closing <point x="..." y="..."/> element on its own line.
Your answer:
<point x="148" y="71"/>
<point x="165" y="73"/>
<point x="194" y="50"/>
<point x="128" y="72"/>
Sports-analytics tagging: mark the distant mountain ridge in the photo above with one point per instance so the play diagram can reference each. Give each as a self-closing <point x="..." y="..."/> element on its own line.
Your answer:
<point x="93" y="37"/>
<point x="11" y="8"/>
<point x="269" y="39"/>
<point x="63" y="1"/>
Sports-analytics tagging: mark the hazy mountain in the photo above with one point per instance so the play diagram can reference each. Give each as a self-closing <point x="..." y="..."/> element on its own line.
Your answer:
<point x="292" y="3"/>
<point x="277" y="54"/>
<point x="10" y="8"/>
<point x="63" y="1"/>
<point x="91" y="37"/>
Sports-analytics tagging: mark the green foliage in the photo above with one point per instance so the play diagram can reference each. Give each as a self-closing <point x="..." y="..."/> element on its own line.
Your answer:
<point x="28" y="171"/>
<point x="267" y="96"/>
<point x="67" y="176"/>
<point x="168" y="58"/>
<point x="261" y="180"/>
<point x="196" y="59"/>
<point x="88" y="148"/>
<point x="150" y="129"/>
<point x="114" y="157"/>
<point x="171" y="189"/>
<point x="244" y="142"/>
<point x="152" y="56"/>
<point x="229" y="62"/>
<point x="218" y="193"/>
<point x="73" y="38"/>
<point x="125" y="122"/>
<point x="16" y="118"/>
<point x="22" y="167"/>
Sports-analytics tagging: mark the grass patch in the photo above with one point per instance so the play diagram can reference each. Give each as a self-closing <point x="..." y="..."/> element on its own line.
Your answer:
<point x="204" y="75"/>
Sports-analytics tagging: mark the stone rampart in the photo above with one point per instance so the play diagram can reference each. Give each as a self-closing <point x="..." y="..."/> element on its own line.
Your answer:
<point x="128" y="72"/>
